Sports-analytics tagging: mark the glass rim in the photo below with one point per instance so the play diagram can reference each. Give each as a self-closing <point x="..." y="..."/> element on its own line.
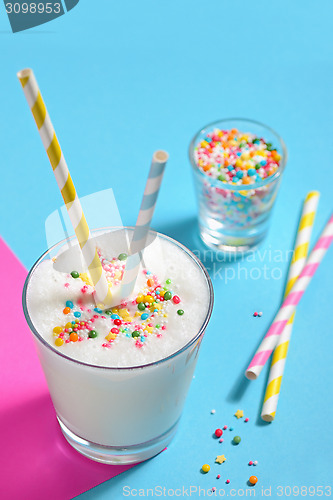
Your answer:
<point x="234" y="187"/>
<point x="121" y="368"/>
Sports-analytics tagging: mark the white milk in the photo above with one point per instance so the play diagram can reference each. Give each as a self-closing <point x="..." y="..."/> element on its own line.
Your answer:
<point x="123" y="392"/>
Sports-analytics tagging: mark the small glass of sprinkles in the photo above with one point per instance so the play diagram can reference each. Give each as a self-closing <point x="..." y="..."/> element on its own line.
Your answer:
<point x="237" y="166"/>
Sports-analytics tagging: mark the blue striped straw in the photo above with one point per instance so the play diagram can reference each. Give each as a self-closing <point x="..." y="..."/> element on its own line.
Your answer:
<point x="143" y="222"/>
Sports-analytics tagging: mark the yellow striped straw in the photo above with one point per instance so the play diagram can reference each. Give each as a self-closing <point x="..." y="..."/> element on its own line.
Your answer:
<point x="297" y="263"/>
<point x="65" y="183"/>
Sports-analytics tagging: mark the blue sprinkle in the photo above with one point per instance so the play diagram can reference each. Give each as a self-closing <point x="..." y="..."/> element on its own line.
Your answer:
<point x="128" y="335"/>
<point x="155" y="310"/>
<point x="114" y="316"/>
<point x="73" y="322"/>
<point x="208" y="139"/>
<point x="148" y="273"/>
<point x="231" y="429"/>
<point x="142" y="338"/>
<point x="144" y="316"/>
<point x="263" y="163"/>
<point x="157" y="292"/>
<point x="77" y="314"/>
<point x="251" y="171"/>
<point x="240" y="174"/>
<point x="231" y="167"/>
<point x="98" y="310"/>
<point x="69" y="304"/>
<point x="239" y="153"/>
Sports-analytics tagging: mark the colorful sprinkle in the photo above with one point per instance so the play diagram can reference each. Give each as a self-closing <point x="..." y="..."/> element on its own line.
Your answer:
<point x="205" y="468"/>
<point x="180" y="312"/>
<point x="236" y="440"/>
<point x="253" y="479"/>
<point x="75" y="274"/>
<point x="218" y="433"/>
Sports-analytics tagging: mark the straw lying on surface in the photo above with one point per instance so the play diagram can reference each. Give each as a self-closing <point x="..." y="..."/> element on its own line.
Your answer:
<point x="302" y="242"/>
<point x="65" y="183"/>
<point x="289" y="304"/>
<point x="143" y="221"/>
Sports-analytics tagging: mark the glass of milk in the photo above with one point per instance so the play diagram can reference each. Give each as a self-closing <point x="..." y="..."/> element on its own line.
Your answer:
<point x="120" y="405"/>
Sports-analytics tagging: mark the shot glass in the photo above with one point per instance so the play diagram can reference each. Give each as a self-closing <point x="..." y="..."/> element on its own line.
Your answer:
<point x="235" y="218"/>
<point x="118" y="415"/>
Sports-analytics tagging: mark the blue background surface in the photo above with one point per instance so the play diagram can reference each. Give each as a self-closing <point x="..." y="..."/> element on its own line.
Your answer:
<point x="122" y="79"/>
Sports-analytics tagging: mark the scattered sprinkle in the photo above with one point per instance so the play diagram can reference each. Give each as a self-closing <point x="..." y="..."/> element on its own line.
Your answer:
<point x="218" y="476"/>
<point x="225" y="427"/>
<point x="218" y="433"/>
<point x="221" y="440"/>
<point x="213" y="412"/>
<point x="253" y="479"/>
<point x="220" y="459"/>
<point x="250" y="462"/>
<point x="205" y="468"/>
<point x="228" y="481"/>
<point x="236" y="440"/>
<point x="246" y="420"/>
<point x="255" y="314"/>
<point x="213" y="488"/>
<point x="255" y="462"/>
<point x="260" y="314"/>
<point x="239" y="414"/>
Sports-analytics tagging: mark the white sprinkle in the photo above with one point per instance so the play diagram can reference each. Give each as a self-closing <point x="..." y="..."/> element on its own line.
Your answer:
<point x="213" y="412"/>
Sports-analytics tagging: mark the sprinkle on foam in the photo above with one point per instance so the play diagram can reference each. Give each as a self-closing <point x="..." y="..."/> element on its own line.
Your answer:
<point x="137" y="319"/>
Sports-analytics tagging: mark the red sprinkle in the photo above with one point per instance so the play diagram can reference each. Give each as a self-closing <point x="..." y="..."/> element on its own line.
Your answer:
<point x="255" y="314"/>
<point x="176" y="299"/>
<point x="218" y="476"/>
<point x="246" y="420"/>
<point x="225" y="427"/>
<point x="218" y="432"/>
<point x="250" y="462"/>
<point x="228" y="481"/>
<point x="117" y="322"/>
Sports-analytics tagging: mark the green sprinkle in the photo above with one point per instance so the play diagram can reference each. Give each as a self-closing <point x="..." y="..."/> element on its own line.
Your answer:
<point x="257" y="166"/>
<point x="167" y="295"/>
<point x="92" y="334"/>
<point x="237" y="439"/>
<point x="180" y="312"/>
<point x="135" y="334"/>
<point x="108" y="311"/>
<point x="168" y="281"/>
<point x="222" y="177"/>
<point x="158" y="326"/>
<point x="122" y="256"/>
<point x="75" y="274"/>
<point x="141" y="306"/>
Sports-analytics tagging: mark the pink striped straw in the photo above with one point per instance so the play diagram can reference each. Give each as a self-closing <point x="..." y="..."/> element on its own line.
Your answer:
<point x="289" y="304"/>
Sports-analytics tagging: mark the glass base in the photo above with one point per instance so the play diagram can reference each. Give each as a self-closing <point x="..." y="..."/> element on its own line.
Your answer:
<point x="231" y="243"/>
<point x="119" y="455"/>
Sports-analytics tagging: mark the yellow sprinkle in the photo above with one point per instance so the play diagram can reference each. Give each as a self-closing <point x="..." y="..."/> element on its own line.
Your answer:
<point x="111" y="336"/>
<point x="123" y="312"/>
<point x="245" y="155"/>
<point x="149" y="329"/>
<point x="115" y="310"/>
<point x="68" y="325"/>
<point x="149" y="299"/>
<point x="57" y="329"/>
<point x="58" y="342"/>
<point x="238" y="163"/>
<point x="85" y="278"/>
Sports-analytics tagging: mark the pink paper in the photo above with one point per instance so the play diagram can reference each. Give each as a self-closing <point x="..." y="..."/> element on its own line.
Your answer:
<point x="35" y="459"/>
